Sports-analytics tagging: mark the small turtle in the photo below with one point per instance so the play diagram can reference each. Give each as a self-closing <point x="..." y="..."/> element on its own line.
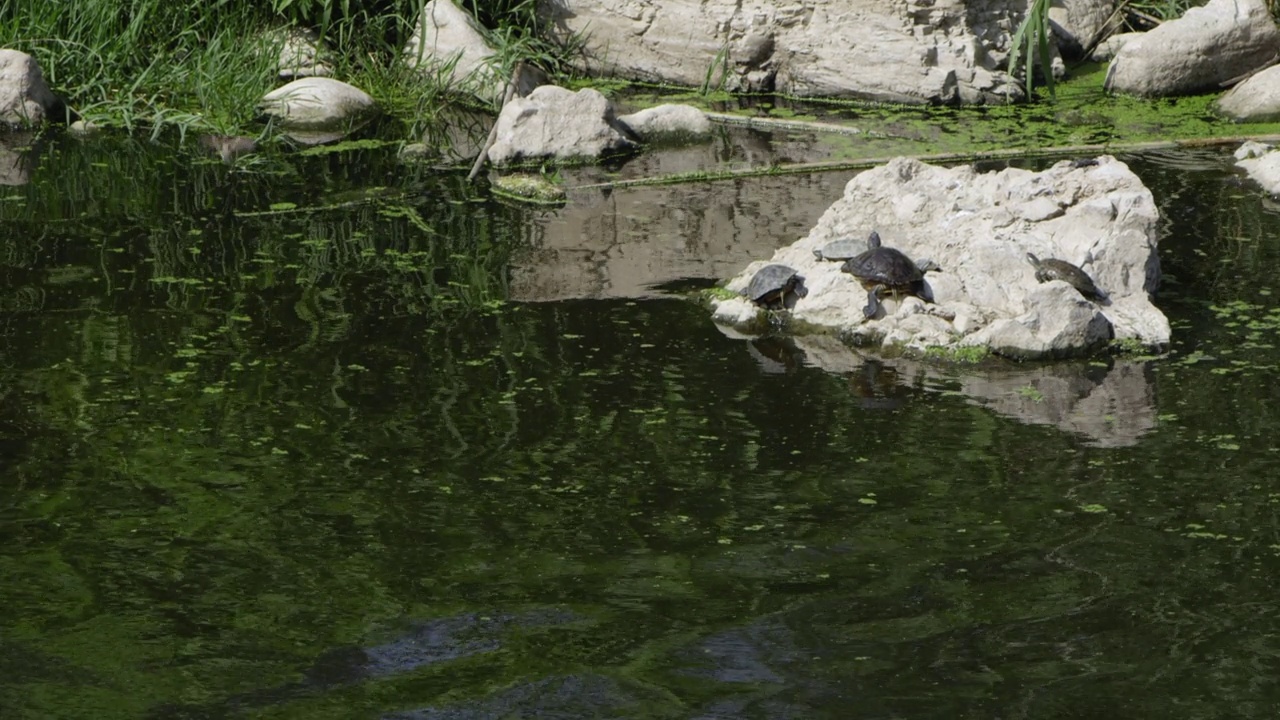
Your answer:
<point x="1054" y="269"/>
<point x="771" y="285"/>
<point x="881" y="269"/>
<point x="840" y="250"/>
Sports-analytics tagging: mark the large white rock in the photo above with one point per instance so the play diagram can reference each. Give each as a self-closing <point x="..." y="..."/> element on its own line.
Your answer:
<point x="979" y="227"/>
<point x="318" y="104"/>
<point x="1257" y="99"/>
<point x="1199" y="51"/>
<point x="555" y="122"/>
<point x="914" y="52"/>
<point x="25" y="99"/>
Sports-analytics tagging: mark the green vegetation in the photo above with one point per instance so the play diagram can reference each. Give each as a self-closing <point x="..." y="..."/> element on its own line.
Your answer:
<point x="1031" y="43"/>
<point x="968" y="355"/>
<point x="526" y="187"/>
<point x="188" y="65"/>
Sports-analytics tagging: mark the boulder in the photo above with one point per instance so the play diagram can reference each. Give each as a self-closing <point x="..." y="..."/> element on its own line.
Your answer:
<point x="1262" y="163"/>
<point x="1077" y="23"/>
<point x="1110" y="47"/>
<point x="1257" y="99"/>
<point x="559" y="123"/>
<point x="300" y="55"/>
<point x="910" y="52"/>
<point x="447" y="39"/>
<point x="979" y="228"/>
<point x="25" y="99"/>
<point x="668" y="123"/>
<point x="318" y="104"/>
<point x="1200" y="51"/>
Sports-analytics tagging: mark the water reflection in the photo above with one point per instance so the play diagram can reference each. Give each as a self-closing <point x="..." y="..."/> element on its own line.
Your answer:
<point x="1110" y="402"/>
<point x="236" y="441"/>
<point x="19" y="152"/>
<point x="621" y="243"/>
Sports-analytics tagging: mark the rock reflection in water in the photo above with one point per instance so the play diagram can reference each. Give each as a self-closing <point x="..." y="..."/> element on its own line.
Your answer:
<point x="17" y="157"/>
<point x="623" y="243"/>
<point x="572" y="696"/>
<point x="426" y="643"/>
<point x="1113" y="405"/>
<point x="775" y="355"/>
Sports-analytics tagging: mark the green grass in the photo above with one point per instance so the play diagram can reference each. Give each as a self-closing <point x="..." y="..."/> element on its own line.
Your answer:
<point x="193" y="65"/>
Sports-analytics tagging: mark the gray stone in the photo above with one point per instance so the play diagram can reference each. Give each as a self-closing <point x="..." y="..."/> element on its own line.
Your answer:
<point x="1262" y="163"/>
<point x="1257" y="99"/>
<point x="25" y="99"/>
<point x="318" y="104"/>
<point x="559" y="123"/>
<point x="668" y="123"/>
<point x="1199" y="51"/>
<point x="300" y="55"/>
<point x="1076" y="23"/>
<point x="1110" y="47"/>
<point x="447" y="39"/>
<point x="979" y="228"/>
<point x="912" y="52"/>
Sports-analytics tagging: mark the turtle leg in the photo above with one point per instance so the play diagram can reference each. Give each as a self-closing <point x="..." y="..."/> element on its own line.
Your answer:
<point x="873" y="301"/>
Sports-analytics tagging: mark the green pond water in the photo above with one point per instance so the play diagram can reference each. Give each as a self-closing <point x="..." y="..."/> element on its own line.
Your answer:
<point x="291" y="441"/>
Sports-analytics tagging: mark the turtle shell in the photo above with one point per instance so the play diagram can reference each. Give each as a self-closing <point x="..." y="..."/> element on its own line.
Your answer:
<point x="771" y="283"/>
<point x="1054" y="269"/>
<point x="841" y="250"/>
<point x="879" y="265"/>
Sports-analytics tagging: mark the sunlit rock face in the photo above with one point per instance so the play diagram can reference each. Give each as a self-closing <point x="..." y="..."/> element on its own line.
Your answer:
<point x="946" y="52"/>
<point x="1200" y="51"/>
<point x="25" y="99"/>
<point x="1254" y="100"/>
<point x="447" y="41"/>
<point x="1078" y="23"/>
<point x="558" y="123"/>
<point x="979" y="227"/>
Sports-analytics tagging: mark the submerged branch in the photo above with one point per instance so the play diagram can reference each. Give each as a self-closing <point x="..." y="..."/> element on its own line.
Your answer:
<point x="864" y="163"/>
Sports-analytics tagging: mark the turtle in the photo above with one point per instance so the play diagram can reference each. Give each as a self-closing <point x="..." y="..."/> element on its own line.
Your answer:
<point x="1054" y="269"/>
<point x="881" y="269"/>
<point x="840" y="250"/>
<point x="771" y="284"/>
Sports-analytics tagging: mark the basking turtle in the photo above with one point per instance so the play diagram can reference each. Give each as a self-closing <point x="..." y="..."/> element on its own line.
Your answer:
<point x="771" y="284"/>
<point x="1054" y="269"/>
<point x="881" y="269"/>
<point x="841" y="250"/>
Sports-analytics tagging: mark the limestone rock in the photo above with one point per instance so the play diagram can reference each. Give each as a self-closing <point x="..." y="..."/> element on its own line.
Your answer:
<point x="1076" y="23"/>
<point x="1199" y="51"/>
<point x="979" y="227"/>
<point x="318" y="104"/>
<point x="559" y="123"/>
<point x="446" y="38"/>
<point x="1262" y="163"/>
<point x="25" y="99"/>
<point x="912" y="52"/>
<point x="1110" y="47"/>
<point x="300" y="56"/>
<point x="1257" y="99"/>
<point x="668" y="123"/>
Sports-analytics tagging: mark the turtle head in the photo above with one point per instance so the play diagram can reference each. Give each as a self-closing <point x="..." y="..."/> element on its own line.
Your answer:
<point x="1033" y="260"/>
<point x="873" y="240"/>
